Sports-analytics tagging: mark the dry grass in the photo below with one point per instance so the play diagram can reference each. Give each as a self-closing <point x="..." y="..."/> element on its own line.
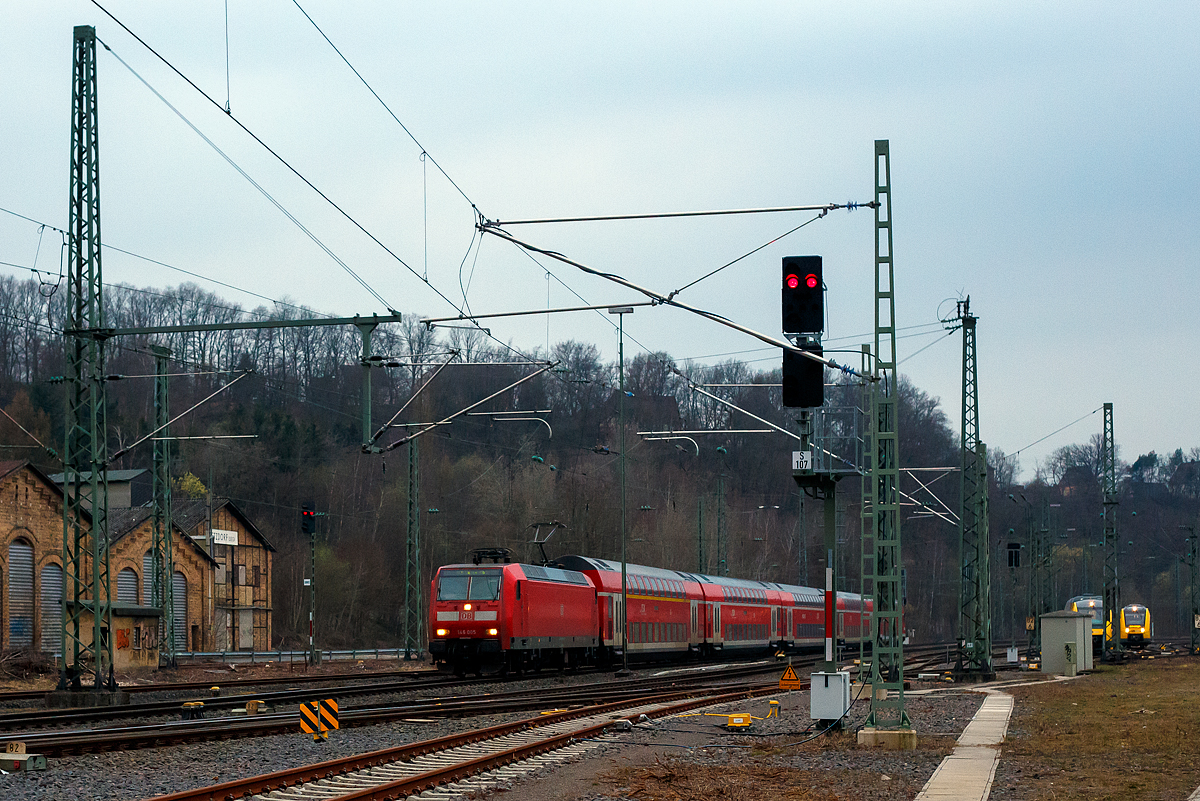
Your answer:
<point x="670" y="781"/>
<point x="1131" y="731"/>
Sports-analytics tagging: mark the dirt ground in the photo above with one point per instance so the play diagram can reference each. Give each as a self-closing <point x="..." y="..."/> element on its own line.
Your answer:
<point x="695" y="757"/>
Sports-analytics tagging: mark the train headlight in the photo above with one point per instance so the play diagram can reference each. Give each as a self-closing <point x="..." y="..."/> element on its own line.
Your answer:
<point x="466" y="607"/>
<point x="442" y="632"/>
<point x="493" y="632"/>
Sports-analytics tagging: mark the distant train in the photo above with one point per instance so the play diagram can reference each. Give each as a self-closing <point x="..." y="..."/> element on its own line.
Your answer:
<point x="1133" y="624"/>
<point x="502" y="617"/>
<point x="1094" y="605"/>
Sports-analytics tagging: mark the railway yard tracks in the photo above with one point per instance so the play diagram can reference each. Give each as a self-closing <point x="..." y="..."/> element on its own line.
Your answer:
<point x="140" y="734"/>
<point x="474" y="761"/>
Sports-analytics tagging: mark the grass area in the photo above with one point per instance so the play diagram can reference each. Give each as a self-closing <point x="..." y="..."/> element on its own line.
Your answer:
<point x="1129" y="731"/>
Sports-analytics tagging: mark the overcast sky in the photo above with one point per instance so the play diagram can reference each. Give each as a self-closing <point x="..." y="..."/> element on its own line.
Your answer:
<point x="1045" y="161"/>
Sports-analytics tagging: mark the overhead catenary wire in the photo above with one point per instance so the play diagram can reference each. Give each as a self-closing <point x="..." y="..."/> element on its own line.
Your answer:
<point x="305" y="180"/>
<point x="159" y="263"/>
<point x="304" y="229"/>
<point x="662" y="299"/>
<point x="424" y="153"/>
<point x="1052" y="433"/>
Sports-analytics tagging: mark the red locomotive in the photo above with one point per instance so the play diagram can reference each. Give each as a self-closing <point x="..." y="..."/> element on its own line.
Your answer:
<point x="501" y="617"/>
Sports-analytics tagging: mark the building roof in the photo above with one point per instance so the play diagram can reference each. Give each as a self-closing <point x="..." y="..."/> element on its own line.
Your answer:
<point x="191" y="513"/>
<point x="7" y="468"/>
<point x="123" y="521"/>
<point x="113" y="475"/>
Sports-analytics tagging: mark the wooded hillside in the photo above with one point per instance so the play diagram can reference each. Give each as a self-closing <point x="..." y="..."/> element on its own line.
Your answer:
<point x="484" y="483"/>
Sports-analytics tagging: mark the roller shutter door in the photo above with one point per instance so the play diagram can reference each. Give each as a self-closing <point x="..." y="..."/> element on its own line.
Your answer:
<point x="179" y="606"/>
<point x="127" y="586"/>
<point x="148" y="578"/>
<point x="51" y="612"/>
<point x="20" y="595"/>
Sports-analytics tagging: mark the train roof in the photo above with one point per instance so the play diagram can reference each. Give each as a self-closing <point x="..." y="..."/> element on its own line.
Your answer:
<point x="582" y="563"/>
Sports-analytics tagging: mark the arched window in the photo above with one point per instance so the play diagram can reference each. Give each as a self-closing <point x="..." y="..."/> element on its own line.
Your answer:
<point x="51" y="611"/>
<point x="127" y="586"/>
<point x="179" y="609"/>
<point x="20" y="595"/>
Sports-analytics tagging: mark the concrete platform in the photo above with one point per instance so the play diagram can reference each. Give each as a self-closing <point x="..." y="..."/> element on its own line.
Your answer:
<point x="968" y="773"/>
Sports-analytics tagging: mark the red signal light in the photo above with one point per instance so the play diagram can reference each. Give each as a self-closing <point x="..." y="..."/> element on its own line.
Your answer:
<point x="810" y="281"/>
<point x="793" y="281"/>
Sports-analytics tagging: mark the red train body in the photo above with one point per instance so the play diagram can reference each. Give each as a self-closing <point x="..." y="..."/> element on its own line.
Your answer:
<point x="514" y="616"/>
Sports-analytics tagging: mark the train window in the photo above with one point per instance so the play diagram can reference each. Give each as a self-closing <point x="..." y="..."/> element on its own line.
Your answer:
<point x="453" y="588"/>
<point x="485" y="588"/>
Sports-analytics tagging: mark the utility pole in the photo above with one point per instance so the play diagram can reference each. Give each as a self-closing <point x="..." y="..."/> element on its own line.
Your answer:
<point x="974" y="658"/>
<point x="1112" y="545"/>
<point x="1193" y="622"/>
<point x="887" y="713"/>
<point x="413" y="610"/>
<point x="85" y="453"/>
<point x="308" y="525"/>
<point x="162" y="580"/>
<point x="700" y="565"/>
<point x="722" y="529"/>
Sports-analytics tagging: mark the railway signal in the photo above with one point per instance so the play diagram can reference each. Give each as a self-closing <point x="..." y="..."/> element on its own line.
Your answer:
<point x="803" y="295"/>
<point x="803" y="378"/>
<point x="308" y="519"/>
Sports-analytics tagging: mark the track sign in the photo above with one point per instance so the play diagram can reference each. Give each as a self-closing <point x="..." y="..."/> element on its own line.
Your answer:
<point x="318" y="718"/>
<point x="789" y="680"/>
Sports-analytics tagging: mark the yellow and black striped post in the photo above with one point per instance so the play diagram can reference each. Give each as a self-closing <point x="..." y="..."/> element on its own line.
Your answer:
<point x="318" y="718"/>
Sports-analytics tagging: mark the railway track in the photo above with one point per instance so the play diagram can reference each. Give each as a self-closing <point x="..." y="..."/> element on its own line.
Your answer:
<point x="88" y="740"/>
<point x="192" y="686"/>
<point x="405" y="770"/>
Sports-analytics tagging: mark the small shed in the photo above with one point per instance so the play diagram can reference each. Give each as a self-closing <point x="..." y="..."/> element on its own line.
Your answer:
<point x="1066" y="642"/>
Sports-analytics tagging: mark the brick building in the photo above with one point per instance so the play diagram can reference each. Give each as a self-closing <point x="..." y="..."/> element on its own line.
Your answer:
<point x="221" y="578"/>
<point x="240" y="600"/>
<point x="31" y="572"/>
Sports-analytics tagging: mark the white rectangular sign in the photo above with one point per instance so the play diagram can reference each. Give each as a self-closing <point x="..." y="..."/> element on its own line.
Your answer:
<point x="223" y="536"/>
<point x="802" y="460"/>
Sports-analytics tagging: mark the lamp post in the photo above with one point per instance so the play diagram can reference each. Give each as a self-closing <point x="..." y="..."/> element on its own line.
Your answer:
<point x="621" y="311"/>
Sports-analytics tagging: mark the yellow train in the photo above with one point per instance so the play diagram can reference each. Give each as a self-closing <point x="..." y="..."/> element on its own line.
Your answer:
<point x="1134" y="628"/>
<point x="1136" y="631"/>
<point x="1094" y="605"/>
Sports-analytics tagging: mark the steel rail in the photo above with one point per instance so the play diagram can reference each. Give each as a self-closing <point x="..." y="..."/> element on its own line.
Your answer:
<point x="279" y="780"/>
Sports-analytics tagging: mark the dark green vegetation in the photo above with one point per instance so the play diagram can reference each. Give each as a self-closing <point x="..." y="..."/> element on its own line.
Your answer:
<point x="480" y="485"/>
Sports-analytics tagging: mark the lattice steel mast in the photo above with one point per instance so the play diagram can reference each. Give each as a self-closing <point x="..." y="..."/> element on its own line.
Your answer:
<point x="974" y="659"/>
<point x="1112" y="588"/>
<point x="413" y="616"/>
<point x="162" y="585"/>
<point x="85" y="548"/>
<point x="888" y="668"/>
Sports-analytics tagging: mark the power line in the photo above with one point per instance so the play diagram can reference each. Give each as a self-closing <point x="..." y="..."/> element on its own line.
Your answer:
<point x="424" y="153"/>
<point x="253" y="183"/>
<point x="168" y="266"/>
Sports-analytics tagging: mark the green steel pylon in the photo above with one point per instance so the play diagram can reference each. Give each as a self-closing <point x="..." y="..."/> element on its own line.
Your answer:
<point x="974" y="657"/>
<point x="414" y="618"/>
<point x="85" y="454"/>
<point x="162" y="585"/>
<point x="888" y="667"/>
<point x="1112" y="588"/>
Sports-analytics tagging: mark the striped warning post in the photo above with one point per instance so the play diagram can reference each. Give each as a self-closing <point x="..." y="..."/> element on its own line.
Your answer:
<point x="318" y="718"/>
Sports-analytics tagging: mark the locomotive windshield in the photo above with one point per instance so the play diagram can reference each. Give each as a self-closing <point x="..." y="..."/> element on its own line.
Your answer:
<point x="1135" y="617"/>
<point x="469" y="585"/>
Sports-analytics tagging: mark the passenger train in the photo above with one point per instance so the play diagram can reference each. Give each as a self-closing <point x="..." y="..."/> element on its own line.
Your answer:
<point x="1133" y="624"/>
<point x="502" y="617"/>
